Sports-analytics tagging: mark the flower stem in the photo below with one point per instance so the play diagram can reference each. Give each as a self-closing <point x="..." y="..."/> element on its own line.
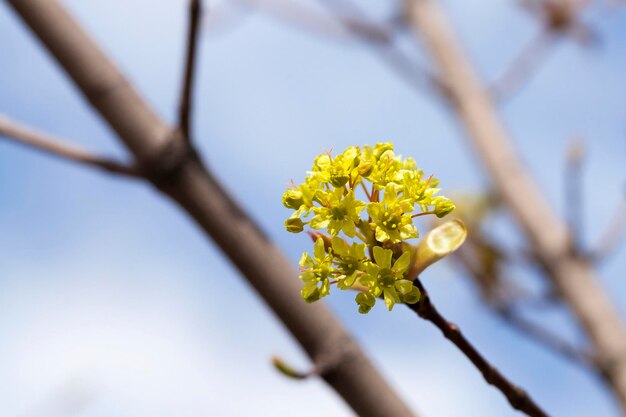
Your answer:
<point x="518" y="398"/>
<point x="422" y="214"/>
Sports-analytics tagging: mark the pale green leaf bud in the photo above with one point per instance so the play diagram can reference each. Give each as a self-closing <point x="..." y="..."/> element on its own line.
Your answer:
<point x="438" y="243"/>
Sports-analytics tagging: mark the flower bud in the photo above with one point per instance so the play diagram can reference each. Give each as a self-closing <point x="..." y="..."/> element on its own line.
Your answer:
<point x="444" y="208"/>
<point x="412" y="297"/>
<point x="293" y="199"/>
<point x="285" y="369"/>
<point x="338" y="180"/>
<point x="365" y="168"/>
<point x="294" y="225"/>
<point x="381" y="148"/>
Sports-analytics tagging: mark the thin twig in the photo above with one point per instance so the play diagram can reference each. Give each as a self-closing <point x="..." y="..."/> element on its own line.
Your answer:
<point x="416" y="76"/>
<point x="186" y="99"/>
<point x="518" y="398"/>
<point x="54" y="146"/>
<point x="304" y="17"/>
<point x="356" y="23"/>
<point x="544" y="337"/>
<point x="559" y="19"/>
<point x="523" y="66"/>
<point x="574" y="194"/>
<point x="614" y="234"/>
<point x="495" y="294"/>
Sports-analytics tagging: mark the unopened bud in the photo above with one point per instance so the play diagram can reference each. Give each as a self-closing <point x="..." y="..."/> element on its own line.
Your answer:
<point x="365" y="168"/>
<point x="438" y="243"/>
<point x="294" y="225"/>
<point x="293" y="199"/>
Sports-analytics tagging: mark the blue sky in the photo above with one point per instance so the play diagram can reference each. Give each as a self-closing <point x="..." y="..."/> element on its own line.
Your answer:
<point x="109" y="294"/>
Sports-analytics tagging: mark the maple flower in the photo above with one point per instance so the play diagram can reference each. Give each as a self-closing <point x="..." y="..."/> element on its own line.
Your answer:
<point x="391" y="218"/>
<point x="349" y="260"/>
<point x="339" y="212"/>
<point x="365" y="199"/>
<point x="383" y="278"/>
<point x="316" y="272"/>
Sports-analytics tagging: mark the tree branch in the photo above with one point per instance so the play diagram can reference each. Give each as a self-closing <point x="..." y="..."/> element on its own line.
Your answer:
<point x="303" y="17"/>
<point x="416" y="77"/>
<point x="186" y="96"/>
<point x="544" y="337"/>
<point x="573" y="277"/>
<point x="613" y="235"/>
<point x="352" y="19"/>
<point x="494" y="292"/>
<point x="523" y="66"/>
<point x="574" y="202"/>
<point x="516" y="396"/>
<point x="558" y="19"/>
<point x="54" y="146"/>
<point x="187" y="182"/>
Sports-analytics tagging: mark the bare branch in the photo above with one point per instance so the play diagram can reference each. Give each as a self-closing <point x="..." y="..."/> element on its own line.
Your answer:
<point x="517" y="397"/>
<point x="545" y="337"/>
<point x="559" y="18"/>
<point x="352" y="20"/>
<point x="416" y="76"/>
<point x="303" y="17"/>
<point x="573" y="278"/>
<point x="500" y="296"/>
<point x="196" y="190"/>
<point x="496" y="294"/>
<point x="186" y="99"/>
<point x="613" y="235"/>
<point x="54" y="146"/>
<point x="523" y="67"/>
<point x="574" y="193"/>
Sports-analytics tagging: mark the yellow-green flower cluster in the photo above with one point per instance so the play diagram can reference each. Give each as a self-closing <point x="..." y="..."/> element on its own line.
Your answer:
<point x="365" y="248"/>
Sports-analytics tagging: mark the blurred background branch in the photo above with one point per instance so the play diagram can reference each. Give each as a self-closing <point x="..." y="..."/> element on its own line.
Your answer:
<point x="60" y="148"/>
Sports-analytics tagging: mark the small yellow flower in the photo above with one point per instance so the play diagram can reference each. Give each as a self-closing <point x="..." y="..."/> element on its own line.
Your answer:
<point x="365" y="199"/>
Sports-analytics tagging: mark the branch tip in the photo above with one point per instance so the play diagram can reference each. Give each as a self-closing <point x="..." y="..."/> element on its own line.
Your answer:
<point x="288" y="371"/>
<point x="52" y="145"/>
<point x="186" y="99"/>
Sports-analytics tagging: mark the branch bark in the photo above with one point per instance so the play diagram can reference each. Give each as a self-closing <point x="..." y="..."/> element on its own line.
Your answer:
<point x="572" y="277"/>
<point x="186" y="96"/>
<point x="523" y="67"/>
<point x="497" y="298"/>
<point x="613" y="235"/>
<point x="305" y="17"/>
<point x="184" y="178"/>
<point x="54" y="146"/>
<point x="413" y="74"/>
<point x="545" y="337"/>
<point x="517" y="397"/>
